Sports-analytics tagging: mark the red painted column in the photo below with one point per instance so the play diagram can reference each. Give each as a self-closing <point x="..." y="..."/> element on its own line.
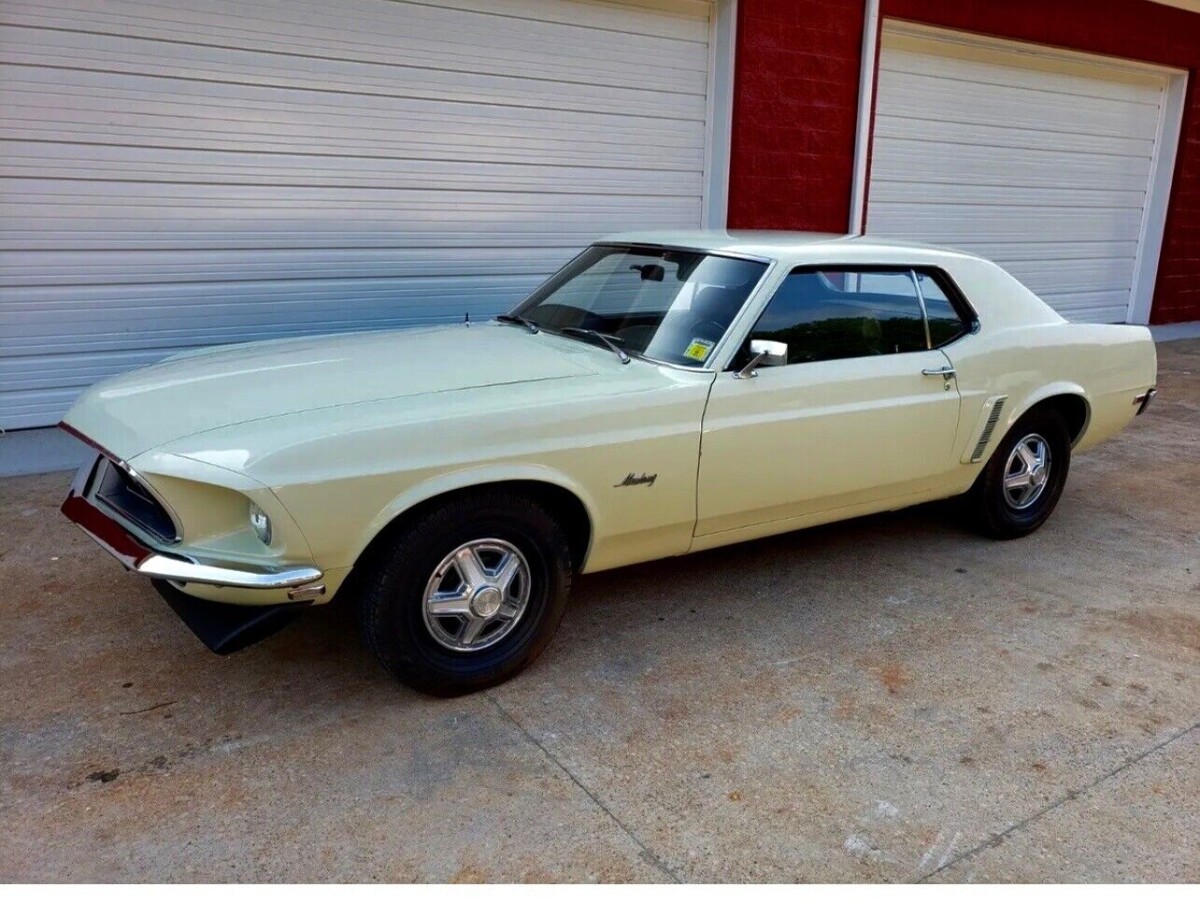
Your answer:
<point x="794" y="113"/>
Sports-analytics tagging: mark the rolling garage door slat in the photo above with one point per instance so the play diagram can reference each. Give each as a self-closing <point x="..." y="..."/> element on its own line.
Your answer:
<point x="196" y="172"/>
<point x="1043" y="167"/>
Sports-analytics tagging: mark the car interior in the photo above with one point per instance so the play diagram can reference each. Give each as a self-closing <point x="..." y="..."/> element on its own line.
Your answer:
<point x="820" y="321"/>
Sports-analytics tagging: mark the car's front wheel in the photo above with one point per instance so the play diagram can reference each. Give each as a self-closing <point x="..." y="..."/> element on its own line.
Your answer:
<point x="467" y="595"/>
<point x="1022" y="482"/>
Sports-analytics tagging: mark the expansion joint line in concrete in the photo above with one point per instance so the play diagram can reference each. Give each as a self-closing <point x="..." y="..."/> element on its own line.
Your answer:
<point x="1071" y="795"/>
<point x="646" y="854"/>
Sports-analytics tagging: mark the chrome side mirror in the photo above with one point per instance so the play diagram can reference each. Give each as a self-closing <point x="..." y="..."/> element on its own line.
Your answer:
<point x="763" y="353"/>
<point x="776" y="352"/>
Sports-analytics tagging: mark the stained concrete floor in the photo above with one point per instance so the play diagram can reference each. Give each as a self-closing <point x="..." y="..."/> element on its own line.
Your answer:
<point x="891" y="698"/>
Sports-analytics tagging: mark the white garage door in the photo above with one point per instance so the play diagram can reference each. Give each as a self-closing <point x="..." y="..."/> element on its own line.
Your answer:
<point x="191" y="172"/>
<point x="1041" y="162"/>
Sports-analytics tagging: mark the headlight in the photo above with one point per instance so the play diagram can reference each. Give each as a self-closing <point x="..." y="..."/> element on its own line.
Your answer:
<point x="260" y="522"/>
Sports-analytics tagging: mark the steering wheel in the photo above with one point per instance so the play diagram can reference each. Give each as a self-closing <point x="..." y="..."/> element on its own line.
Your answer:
<point x="636" y="335"/>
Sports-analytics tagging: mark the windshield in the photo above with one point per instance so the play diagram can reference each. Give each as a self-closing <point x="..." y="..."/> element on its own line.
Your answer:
<point x="669" y="305"/>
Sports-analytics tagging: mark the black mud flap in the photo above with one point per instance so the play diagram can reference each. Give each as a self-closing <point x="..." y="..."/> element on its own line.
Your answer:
<point x="225" y="628"/>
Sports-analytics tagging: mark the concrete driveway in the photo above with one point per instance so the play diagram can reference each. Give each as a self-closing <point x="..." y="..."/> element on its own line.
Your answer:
<point x="887" y="699"/>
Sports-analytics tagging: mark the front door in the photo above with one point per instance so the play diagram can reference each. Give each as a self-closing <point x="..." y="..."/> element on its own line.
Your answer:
<point x="864" y="410"/>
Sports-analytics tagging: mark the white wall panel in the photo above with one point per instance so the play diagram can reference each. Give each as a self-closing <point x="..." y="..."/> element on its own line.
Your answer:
<point x="183" y="173"/>
<point x="1042" y="162"/>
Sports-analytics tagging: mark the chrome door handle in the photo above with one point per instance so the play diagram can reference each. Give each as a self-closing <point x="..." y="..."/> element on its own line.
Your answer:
<point x="946" y="372"/>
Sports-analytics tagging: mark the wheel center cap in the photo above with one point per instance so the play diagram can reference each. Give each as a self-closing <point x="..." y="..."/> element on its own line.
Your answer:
<point x="1038" y="475"/>
<point x="486" y="601"/>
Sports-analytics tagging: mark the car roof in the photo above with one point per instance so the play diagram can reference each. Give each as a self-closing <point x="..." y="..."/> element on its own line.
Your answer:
<point x="999" y="299"/>
<point x="795" y="247"/>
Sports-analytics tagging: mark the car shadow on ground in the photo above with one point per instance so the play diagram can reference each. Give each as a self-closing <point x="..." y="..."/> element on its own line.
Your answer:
<point x="715" y="583"/>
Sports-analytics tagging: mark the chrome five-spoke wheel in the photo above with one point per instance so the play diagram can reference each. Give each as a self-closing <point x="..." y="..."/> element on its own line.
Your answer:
<point x="477" y="595"/>
<point x="1027" y="472"/>
<point x="468" y="593"/>
<point x="1020" y="486"/>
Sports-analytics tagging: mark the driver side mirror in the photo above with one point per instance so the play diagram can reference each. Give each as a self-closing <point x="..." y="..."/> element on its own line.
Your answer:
<point x="775" y="352"/>
<point x="763" y="353"/>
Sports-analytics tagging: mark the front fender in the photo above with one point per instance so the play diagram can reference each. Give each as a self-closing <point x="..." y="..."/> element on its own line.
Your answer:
<point x="473" y="477"/>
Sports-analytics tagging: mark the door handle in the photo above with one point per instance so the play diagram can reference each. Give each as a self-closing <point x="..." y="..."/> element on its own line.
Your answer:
<point x="946" y="372"/>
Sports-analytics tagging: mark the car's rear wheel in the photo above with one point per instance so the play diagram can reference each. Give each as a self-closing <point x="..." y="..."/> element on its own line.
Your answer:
<point x="467" y="595"/>
<point x="1022" y="482"/>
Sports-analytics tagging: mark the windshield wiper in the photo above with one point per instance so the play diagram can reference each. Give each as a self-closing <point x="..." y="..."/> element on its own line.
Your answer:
<point x="612" y="343"/>
<point x="519" y="320"/>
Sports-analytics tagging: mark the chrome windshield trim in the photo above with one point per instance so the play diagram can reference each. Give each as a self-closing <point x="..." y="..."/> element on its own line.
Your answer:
<point x="728" y="254"/>
<point x="721" y="357"/>
<point x="634" y="354"/>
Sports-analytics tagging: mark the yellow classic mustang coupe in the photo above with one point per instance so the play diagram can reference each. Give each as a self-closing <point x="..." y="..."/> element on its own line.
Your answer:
<point x="663" y="393"/>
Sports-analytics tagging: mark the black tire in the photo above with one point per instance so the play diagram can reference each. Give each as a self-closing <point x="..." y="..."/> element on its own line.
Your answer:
<point x="989" y="506"/>
<point x="391" y="596"/>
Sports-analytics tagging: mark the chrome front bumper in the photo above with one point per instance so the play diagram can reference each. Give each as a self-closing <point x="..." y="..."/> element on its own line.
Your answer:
<point x="136" y="556"/>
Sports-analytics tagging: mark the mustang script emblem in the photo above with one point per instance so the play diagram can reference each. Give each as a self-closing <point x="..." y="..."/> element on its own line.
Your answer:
<point x="646" y="479"/>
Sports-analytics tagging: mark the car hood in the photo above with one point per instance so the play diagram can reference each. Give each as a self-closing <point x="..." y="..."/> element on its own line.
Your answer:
<point x="198" y="391"/>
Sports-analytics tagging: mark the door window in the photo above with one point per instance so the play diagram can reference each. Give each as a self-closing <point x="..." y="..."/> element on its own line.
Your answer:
<point x="835" y="314"/>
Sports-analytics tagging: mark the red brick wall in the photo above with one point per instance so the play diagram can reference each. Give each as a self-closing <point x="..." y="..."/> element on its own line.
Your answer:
<point x="794" y="112"/>
<point x="796" y="95"/>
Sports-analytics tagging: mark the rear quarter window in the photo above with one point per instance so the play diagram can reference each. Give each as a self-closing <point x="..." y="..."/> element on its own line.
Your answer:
<point x="946" y="323"/>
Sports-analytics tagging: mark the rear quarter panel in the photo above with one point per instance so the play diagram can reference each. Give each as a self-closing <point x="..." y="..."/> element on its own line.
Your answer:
<point x="1026" y="353"/>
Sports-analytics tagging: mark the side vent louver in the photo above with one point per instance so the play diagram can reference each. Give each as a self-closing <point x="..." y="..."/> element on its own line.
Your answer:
<point x="988" y="427"/>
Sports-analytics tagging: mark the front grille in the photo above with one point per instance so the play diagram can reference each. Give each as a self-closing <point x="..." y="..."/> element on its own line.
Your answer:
<point x="132" y="501"/>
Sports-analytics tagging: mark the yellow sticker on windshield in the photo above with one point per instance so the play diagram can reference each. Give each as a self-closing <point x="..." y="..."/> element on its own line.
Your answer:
<point x="699" y="349"/>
